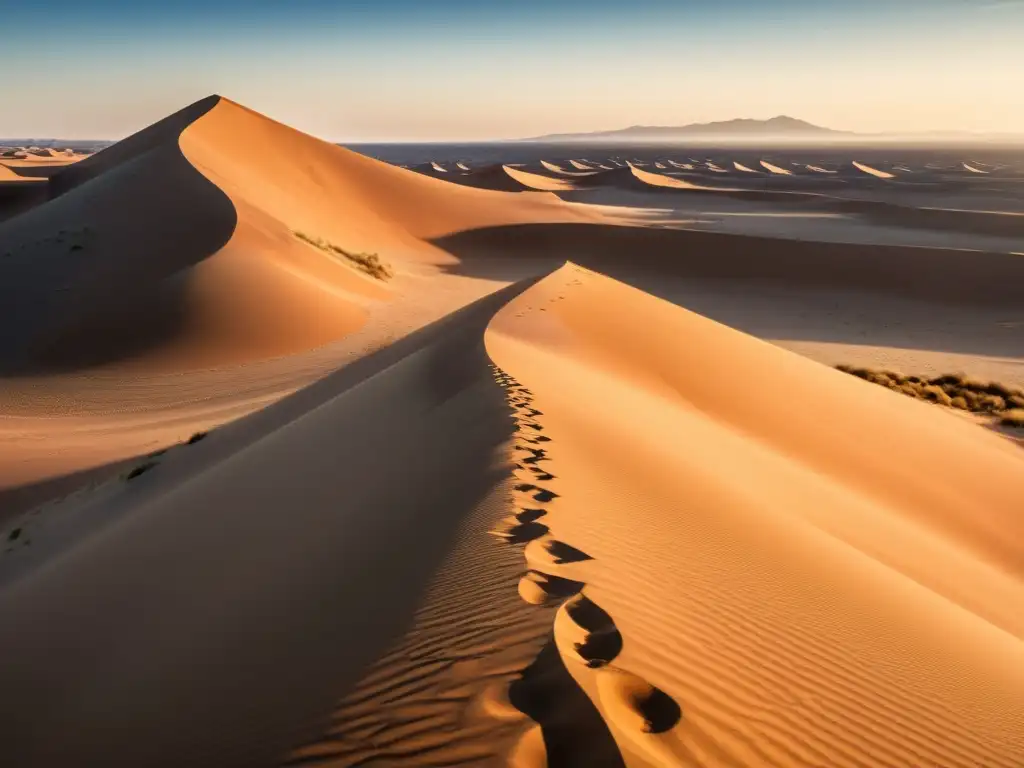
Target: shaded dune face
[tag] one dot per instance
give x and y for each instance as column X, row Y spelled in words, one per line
column 263, row 602
column 100, row 273
column 924, row 273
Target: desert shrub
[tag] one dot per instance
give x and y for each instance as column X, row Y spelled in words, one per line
column 956, row 390
column 1013, row 418
column 860, row 373
column 140, row 469
column 14, row 534
column 991, row 403
column 935, row 394
column 195, row 438
column 370, row 263
column 999, row 390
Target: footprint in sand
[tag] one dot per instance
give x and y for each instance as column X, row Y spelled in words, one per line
column 589, row 631
column 539, row 494
column 538, row 587
column 521, row 533
column 583, row 630
column 566, row 553
column 634, row 705
column 529, row 515
column 538, row 439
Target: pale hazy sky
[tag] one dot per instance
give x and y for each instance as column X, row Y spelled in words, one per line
column 365, row 70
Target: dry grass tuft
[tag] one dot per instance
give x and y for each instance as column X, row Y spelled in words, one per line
column 369, row 263
column 953, row 390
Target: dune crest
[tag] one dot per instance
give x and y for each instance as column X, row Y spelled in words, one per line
column 873, row 171
column 776, row 169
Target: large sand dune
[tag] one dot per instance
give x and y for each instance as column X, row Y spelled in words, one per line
column 820, row 600
column 213, row 196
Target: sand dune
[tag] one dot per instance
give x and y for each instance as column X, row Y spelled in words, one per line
column 647, row 178
column 838, row 557
column 818, row 169
column 972, row 169
column 872, row 171
column 877, row 591
column 743, row 168
column 438, row 167
column 234, row 284
column 775, row 169
column 511, row 179
column 579, row 165
column 7, row 175
column 537, row 181
column 555, row 168
column 462, row 166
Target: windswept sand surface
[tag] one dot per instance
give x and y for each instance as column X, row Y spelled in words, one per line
column 519, row 504
column 878, row 601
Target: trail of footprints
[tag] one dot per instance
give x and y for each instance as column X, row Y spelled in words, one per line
column 630, row 701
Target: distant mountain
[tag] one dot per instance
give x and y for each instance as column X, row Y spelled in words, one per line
column 777, row 127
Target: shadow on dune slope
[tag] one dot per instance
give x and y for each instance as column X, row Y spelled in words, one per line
column 218, row 615
column 99, row 273
column 930, row 274
column 906, row 298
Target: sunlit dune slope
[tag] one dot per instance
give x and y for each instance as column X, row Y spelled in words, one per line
column 783, row 566
column 872, row 171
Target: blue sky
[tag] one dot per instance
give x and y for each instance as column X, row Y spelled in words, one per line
column 477, row 69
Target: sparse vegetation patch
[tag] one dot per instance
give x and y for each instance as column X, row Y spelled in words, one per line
column 369, row 263
column 953, row 390
column 1013, row 418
